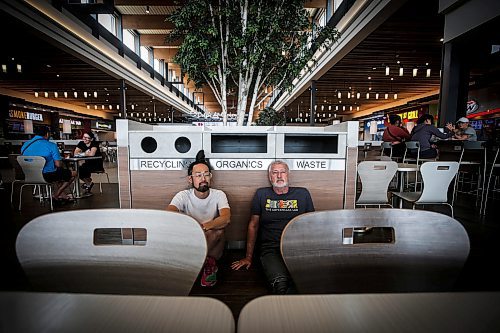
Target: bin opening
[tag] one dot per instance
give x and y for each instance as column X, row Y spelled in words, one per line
column 233, row 143
column 311, row 144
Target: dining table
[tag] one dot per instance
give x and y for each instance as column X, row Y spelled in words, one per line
column 74, row 312
column 384, row 312
column 75, row 161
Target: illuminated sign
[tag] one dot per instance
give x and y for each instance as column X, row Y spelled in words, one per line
column 101, row 125
column 73, row 122
column 25, row 115
column 408, row 115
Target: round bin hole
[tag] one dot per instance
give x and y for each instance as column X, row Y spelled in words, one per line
column 182, row 144
column 148, row 144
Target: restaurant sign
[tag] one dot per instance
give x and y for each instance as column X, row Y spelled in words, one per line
column 73, row 122
column 229, row 164
column 25, row 115
column 409, row 115
column 104, row 126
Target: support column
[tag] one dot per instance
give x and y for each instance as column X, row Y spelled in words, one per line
column 123, row 99
column 454, row 84
column 313, row 103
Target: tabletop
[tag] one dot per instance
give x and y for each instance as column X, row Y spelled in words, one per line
column 53, row 312
column 409, row 312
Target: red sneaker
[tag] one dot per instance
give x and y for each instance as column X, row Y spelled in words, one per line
column 209, row 274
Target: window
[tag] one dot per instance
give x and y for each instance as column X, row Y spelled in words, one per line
column 129, row 39
column 145, row 54
column 108, row 21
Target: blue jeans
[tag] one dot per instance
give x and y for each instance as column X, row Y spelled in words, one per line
column 275, row 270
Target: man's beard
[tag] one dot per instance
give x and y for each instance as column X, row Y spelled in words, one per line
column 281, row 184
column 202, row 188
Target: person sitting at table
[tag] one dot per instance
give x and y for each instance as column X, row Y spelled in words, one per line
column 53, row 170
column 397, row 135
column 423, row 132
column 272, row 208
column 210, row 208
column 463, row 131
column 86, row 148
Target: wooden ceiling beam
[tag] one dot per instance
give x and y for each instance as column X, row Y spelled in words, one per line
column 146, row 22
column 149, row 2
column 165, row 54
column 315, row 4
column 157, row 40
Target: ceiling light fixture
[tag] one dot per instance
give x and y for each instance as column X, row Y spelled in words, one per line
column 95, row 94
column 46, row 94
column 75, row 94
column 65, row 94
column 147, row 9
column 56, row 94
column 428, row 72
column 36, row 93
column 367, row 95
column 415, row 70
column 19, row 68
column 387, row 70
column 85, row 94
column 4, row 68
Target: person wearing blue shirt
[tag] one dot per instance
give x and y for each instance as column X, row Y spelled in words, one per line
column 53, row 171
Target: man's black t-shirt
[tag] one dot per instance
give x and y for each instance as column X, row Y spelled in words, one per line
column 276, row 210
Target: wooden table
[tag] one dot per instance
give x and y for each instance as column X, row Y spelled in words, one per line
column 76, row 162
column 418, row 312
column 51, row 312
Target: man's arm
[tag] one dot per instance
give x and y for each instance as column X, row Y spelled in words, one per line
column 253, row 227
column 172, row 208
column 219, row 222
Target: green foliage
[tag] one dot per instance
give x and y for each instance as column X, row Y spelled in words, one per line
column 277, row 38
column 270, row 117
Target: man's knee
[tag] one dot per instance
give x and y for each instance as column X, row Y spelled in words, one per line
column 214, row 235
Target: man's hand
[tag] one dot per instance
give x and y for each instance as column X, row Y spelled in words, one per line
column 242, row 263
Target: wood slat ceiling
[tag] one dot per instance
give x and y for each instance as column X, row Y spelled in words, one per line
column 411, row 36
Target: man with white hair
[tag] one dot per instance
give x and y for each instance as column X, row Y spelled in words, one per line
column 464, row 131
column 272, row 208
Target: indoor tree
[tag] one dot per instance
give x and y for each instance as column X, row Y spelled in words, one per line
column 251, row 47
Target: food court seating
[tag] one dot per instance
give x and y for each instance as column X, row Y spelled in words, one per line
column 32, row 167
column 436, row 177
column 375, row 250
column 375, row 178
column 112, row 251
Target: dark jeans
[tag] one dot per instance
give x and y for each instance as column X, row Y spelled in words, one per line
column 275, row 270
column 60, row 175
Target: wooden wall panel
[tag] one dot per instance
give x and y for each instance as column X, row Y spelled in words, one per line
column 123, row 177
column 155, row 190
column 351, row 176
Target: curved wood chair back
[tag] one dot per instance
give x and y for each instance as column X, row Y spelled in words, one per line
column 324, row 255
column 112, row 251
column 437, row 177
column 375, row 179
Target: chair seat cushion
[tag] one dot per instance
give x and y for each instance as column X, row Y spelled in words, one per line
column 408, row 196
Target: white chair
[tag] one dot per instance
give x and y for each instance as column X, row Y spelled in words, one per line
column 436, row 177
column 32, row 167
column 494, row 165
column 376, row 250
column 112, row 251
column 375, row 179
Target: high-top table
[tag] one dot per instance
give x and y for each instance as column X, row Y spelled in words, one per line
column 53, row 312
column 408, row 312
column 76, row 163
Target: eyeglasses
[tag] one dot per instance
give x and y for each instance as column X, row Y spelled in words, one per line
column 200, row 175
